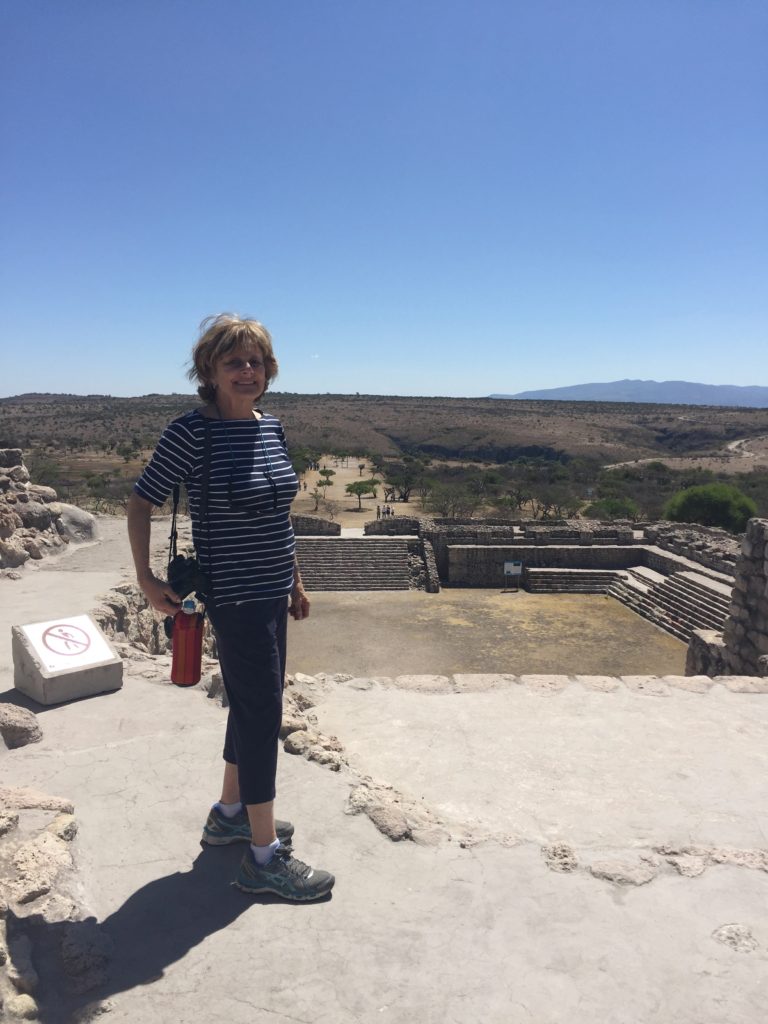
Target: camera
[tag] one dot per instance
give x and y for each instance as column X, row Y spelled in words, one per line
column 185, row 575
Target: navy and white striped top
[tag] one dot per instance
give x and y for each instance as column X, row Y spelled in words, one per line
column 251, row 538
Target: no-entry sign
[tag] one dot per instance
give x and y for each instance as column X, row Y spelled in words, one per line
column 73, row 642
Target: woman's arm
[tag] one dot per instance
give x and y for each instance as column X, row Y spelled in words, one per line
column 159, row 594
column 299, row 601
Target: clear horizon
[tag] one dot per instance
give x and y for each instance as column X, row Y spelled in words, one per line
column 449, row 199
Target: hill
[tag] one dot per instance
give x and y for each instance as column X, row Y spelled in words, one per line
column 448, row 428
column 668, row 392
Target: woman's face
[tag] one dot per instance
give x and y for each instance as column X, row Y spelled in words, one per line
column 239, row 375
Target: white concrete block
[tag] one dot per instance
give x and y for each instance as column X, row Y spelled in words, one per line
column 64, row 659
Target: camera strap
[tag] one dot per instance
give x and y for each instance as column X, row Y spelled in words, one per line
column 204, row 481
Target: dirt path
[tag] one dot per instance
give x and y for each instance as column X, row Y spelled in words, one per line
column 738, row 456
column 346, row 511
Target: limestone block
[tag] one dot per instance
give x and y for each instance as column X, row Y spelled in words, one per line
column 13, row 797
column 34, row 515
column 544, row 683
column 647, row 686
column 560, row 857
column 480, row 682
column 22, row 1007
column 688, row 866
column 299, row 742
column 738, row 936
column 302, row 678
column 389, row 820
column 18, row 726
column 623, row 872
column 694, row 683
column 76, row 524
column 424, row 683
column 8, row 821
column 86, row 949
column 19, row 474
column 21, row 972
column 64, row 826
column 10, row 457
column 10, row 521
column 41, row 493
column 602, row 684
column 64, row 659
column 37, row 863
column 12, row 554
column 291, row 724
column 744, row 684
column 32, row 548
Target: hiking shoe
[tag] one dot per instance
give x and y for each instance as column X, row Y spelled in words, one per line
column 221, row 831
column 284, row 876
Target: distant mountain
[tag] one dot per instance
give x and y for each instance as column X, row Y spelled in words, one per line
column 665, row 392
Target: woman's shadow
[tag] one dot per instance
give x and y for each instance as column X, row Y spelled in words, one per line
column 154, row 928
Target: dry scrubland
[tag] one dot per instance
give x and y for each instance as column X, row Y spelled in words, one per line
column 95, row 434
column 464, row 428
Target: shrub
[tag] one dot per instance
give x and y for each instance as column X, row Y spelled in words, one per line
column 612, row 508
column 712, row 505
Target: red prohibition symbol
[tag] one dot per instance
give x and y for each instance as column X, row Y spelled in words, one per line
column 65, row 639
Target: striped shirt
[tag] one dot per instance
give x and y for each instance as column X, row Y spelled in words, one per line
column 251, row 550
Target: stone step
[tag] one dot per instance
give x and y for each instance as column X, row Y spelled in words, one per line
column 354, row 563
column 685, row 602
column 711, row 598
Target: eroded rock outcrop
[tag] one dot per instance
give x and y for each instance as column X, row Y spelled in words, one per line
column 33, row 523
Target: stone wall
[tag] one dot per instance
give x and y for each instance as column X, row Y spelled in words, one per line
column 717, row 549
column 314, row 526
column 393, row 526
column 746, row 629
column 560, row 533
column 33, row 523
column 432, row 578
column 470, row 565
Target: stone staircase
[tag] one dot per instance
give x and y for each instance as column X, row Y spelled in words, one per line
column 678, row 603
column 569, row 581
column 352, row 563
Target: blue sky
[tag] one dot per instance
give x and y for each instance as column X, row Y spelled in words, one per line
column 416, row 197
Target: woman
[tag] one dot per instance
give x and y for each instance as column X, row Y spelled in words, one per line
column 245, row 544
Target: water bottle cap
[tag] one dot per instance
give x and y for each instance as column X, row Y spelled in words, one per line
column 188, row 605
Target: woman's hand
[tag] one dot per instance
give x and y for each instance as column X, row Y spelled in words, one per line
column 160, row 594
column 299, row 603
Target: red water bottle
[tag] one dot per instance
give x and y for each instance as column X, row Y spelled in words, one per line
column 187, row 645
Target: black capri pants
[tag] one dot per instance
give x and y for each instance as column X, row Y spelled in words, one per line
column 251, row 640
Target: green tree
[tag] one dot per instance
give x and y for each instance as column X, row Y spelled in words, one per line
column 712, row 505
column 360, row 488
column 612, row 508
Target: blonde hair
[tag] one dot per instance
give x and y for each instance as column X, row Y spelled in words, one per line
column 222, row 334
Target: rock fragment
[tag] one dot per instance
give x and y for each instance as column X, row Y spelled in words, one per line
column 623, row 872
column 560, row 857
column 37, row 863
column 86, row 950
column 738, row 936
column 18, row 726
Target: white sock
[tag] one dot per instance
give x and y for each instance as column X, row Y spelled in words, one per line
column 264, row 854
column 228, row 810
